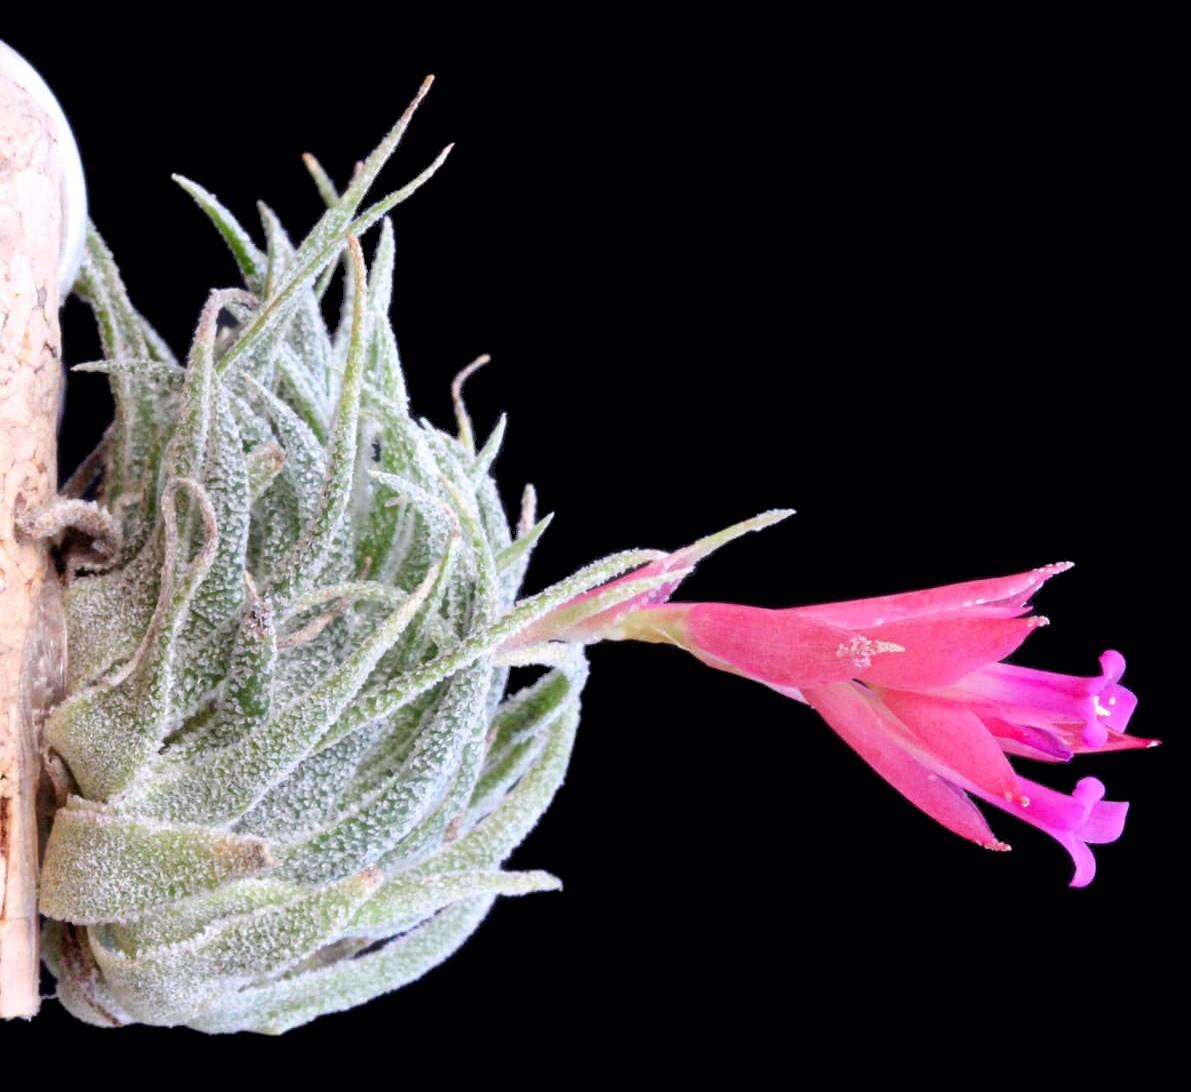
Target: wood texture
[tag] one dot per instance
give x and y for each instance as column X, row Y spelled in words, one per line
column 30, row 381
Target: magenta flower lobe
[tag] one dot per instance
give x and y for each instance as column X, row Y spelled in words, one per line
column 914, row 683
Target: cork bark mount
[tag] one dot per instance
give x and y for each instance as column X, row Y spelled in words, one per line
column 30, row 389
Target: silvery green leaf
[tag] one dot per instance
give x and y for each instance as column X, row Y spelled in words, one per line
column 143, row 410
column 100, row 284
column 323, row 182
column 246, row 699
column 323, row 243
column 187, row 918
column 277, row 1007
column 492, row 839
column 264, row 461
column 276, row 514
column 299, row 390
column 383, row 700
column 519, row 732
column 108, row 731
column 81, row 989
column 166, row 375
column 384, row 206
column 298, row 569
column 313, row 792
column 513, row 559
column 279, row 251
column 371, row 826
column 249, row 258
column 305, row 465
column 176, row 982
column 108, row 613
column 486, row 456
column 225, row 478
column 386, row 372
column 405, row 901
column 496, row 527
column 224, row 785
column 101, row 866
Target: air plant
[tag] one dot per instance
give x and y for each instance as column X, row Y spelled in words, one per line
column 283, row 769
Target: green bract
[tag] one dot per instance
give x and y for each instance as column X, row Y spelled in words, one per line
column 294, row 773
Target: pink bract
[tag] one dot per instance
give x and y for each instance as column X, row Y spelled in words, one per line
column 914, row 684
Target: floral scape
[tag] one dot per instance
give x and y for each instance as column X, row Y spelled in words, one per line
column 914, row 683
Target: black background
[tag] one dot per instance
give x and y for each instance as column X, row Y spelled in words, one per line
column 908, row 279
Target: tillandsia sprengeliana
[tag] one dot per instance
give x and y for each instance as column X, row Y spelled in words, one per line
column 287, row 771
column 284, row 735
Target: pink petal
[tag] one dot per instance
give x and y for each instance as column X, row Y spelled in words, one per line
column 941, row 650
column 1118, row 741
column 776, row 647
column 1084, row 859
column 1028, row 741
column 1072, row 821
column 867, row 727
column 1119, row 701
column 1098, row 706
column 1106, row 822
column 1000, row 597
column 958, row 739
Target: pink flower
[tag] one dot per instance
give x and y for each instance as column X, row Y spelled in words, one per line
column 912, row 682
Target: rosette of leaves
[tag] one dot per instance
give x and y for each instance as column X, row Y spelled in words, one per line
column 289, row 771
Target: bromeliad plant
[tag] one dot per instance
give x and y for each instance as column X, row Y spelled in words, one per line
column 289, row 773
column 285, row 736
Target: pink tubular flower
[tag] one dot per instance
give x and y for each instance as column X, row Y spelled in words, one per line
column 912, row 682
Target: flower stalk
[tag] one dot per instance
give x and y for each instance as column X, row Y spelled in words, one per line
column 914, row 684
